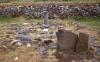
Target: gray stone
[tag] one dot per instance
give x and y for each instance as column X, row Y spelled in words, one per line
column 23, row 31
column 66, row 40
column 43, row 51
column 82, row 44
column 24, row 38
column 97, row 52
column 46, row 22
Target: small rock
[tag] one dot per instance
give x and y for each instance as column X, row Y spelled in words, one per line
column 16, row 58
column 28, row 45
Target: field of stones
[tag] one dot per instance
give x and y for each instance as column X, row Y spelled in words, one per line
column 50, row 32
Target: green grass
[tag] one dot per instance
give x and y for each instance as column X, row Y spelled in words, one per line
column 6, row 1
column 92, row 22
column 7, row 20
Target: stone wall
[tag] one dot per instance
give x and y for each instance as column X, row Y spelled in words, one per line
column 54, row 10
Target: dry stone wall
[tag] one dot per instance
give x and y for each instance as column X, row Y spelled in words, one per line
column 54, row 10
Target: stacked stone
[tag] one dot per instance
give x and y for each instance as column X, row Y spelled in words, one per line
column 54, row 10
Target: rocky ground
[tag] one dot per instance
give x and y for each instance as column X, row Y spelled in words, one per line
column 23, row 38
column 28, row 42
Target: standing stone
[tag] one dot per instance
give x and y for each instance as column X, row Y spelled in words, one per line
column 82, row 44
column 46, row 22
column 66, row 41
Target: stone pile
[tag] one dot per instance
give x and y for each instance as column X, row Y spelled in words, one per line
column 54, row 10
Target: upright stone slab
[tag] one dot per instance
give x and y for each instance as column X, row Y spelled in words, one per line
column 46, row 22
column 82, row 44
column 66, row 40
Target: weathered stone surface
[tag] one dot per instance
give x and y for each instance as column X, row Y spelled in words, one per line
column 82, row 44
column 66, row 40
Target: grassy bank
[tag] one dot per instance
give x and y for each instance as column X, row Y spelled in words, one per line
column 92, row 22
column 9, row 19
